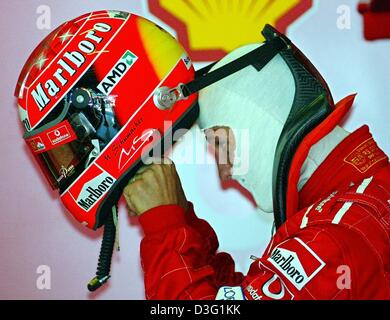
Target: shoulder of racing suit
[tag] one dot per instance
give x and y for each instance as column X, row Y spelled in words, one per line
column 337, row 248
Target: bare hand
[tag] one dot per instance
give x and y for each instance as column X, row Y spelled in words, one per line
column 154, row 185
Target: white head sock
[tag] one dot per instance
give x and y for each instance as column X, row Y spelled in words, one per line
column 257, row 103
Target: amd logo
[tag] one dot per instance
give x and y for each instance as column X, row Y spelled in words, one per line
column 117, row 72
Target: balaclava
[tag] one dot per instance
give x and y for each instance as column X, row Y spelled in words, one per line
column 255, row 105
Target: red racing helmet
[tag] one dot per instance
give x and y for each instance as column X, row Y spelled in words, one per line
column 87, row 99
column 103, row 90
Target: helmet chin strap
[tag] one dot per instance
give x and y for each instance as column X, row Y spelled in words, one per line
column 94, row 153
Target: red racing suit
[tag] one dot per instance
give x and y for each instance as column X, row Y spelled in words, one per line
column 334, row 244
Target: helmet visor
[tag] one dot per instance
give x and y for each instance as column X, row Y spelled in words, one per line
column 62, row 149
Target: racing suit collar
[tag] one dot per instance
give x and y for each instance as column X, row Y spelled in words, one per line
column 310, row 193
column 355, row 158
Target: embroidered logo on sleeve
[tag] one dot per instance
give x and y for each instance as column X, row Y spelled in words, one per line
column 296, row 262
column 269, row 287
column 365, row 155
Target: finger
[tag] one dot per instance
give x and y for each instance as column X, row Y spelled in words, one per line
column 132, row 179
column 139, row 174
column 144, row 167
column 167, row 161
column 159, row 161
column 127, row 195
column 164, row 167
column 131, row 209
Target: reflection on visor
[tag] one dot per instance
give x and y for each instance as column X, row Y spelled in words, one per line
column 59, row 151
column 74, row 143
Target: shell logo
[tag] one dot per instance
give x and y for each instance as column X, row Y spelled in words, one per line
column 208, row 29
